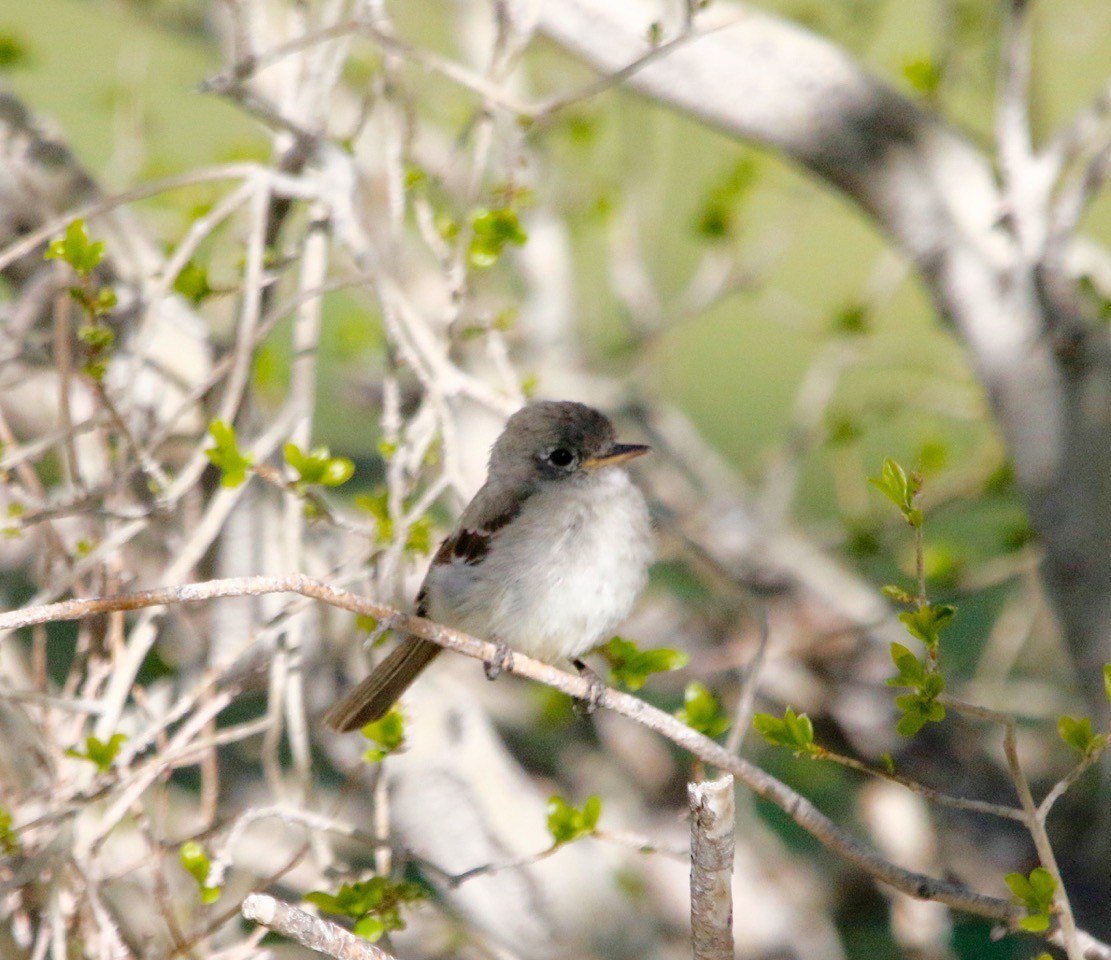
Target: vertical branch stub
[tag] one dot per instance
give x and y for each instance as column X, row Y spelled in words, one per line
column 712, row 851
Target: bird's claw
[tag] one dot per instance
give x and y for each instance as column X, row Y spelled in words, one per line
column 597, row 691
column 503, row 660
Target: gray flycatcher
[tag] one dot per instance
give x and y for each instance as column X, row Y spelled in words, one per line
column 547, row 559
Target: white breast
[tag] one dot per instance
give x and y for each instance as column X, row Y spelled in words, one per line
column 560, row 577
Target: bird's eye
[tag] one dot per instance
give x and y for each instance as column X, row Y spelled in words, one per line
column 561, row 457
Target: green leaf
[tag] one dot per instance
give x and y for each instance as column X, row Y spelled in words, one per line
column 105, row 301
column 793, row 731
column 1035, row 923
column 324, row 901
column 900, row 489
column 702, row 712
column 1043, row 885
column 898, row 595
column 226, row 456
column 932, row 686
column 76, row 250
column 719, row 214
column 196, row 863
column 388, row 734
column 631, row 667
column 192, row 283
column 1107, row 680
column 567, row 823
column 419, row 538
column 370, row 928
column 96, row 336
column 918, row 710
column 927, row 622
column 378, row 506
column 1035, row 893
column 373, row 904
column 98, row 752
column 337, row 471
column 492, row 231
column 923, row 74
column 1020, row 887
column 9, row 840
column 1078, row 734
column 854, row 318
column 318, row 466
column 911, row 672
column 14, row 51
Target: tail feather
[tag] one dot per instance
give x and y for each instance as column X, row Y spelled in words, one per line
column 371, row 700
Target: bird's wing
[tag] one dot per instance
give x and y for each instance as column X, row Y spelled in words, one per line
column 489, row 511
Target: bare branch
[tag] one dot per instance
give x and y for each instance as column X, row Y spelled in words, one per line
column 713, row 847
column 801, row 810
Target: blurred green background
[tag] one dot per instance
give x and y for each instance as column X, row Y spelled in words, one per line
column 120, row 80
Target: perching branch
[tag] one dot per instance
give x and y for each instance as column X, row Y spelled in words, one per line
column 797, row 807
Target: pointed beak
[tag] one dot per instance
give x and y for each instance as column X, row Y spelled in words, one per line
column 618, row 453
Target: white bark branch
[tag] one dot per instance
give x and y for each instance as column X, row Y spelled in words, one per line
column 713, row 847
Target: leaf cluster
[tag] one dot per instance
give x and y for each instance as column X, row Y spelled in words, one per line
column 1035, row 893
column 491, row 232
column 631, row 667
column 927, row 621
column 1077, row 733
column 75, row 248
column 793, row 731
column 921, row 706
column 226, row 456
column 374, row 904
column 317, row 467
column 84, row 256
column 567, row 823
column 901, row 489
column 99, row 752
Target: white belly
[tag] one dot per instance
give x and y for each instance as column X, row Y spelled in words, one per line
column 560, row 577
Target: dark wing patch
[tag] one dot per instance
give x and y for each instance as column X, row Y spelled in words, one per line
column 470, row 546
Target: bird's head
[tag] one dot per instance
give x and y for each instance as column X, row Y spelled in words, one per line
column 556, row 441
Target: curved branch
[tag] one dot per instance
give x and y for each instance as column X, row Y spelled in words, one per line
column 797, row 807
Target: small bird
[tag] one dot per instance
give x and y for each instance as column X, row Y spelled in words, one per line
column 547, row 559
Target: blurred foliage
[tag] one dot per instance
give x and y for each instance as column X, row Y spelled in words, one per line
column 820, row 274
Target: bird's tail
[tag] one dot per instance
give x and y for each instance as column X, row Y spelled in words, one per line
column 372, row 699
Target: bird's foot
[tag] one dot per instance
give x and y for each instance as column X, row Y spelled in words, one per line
column 503, row 660
column 597, row 691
